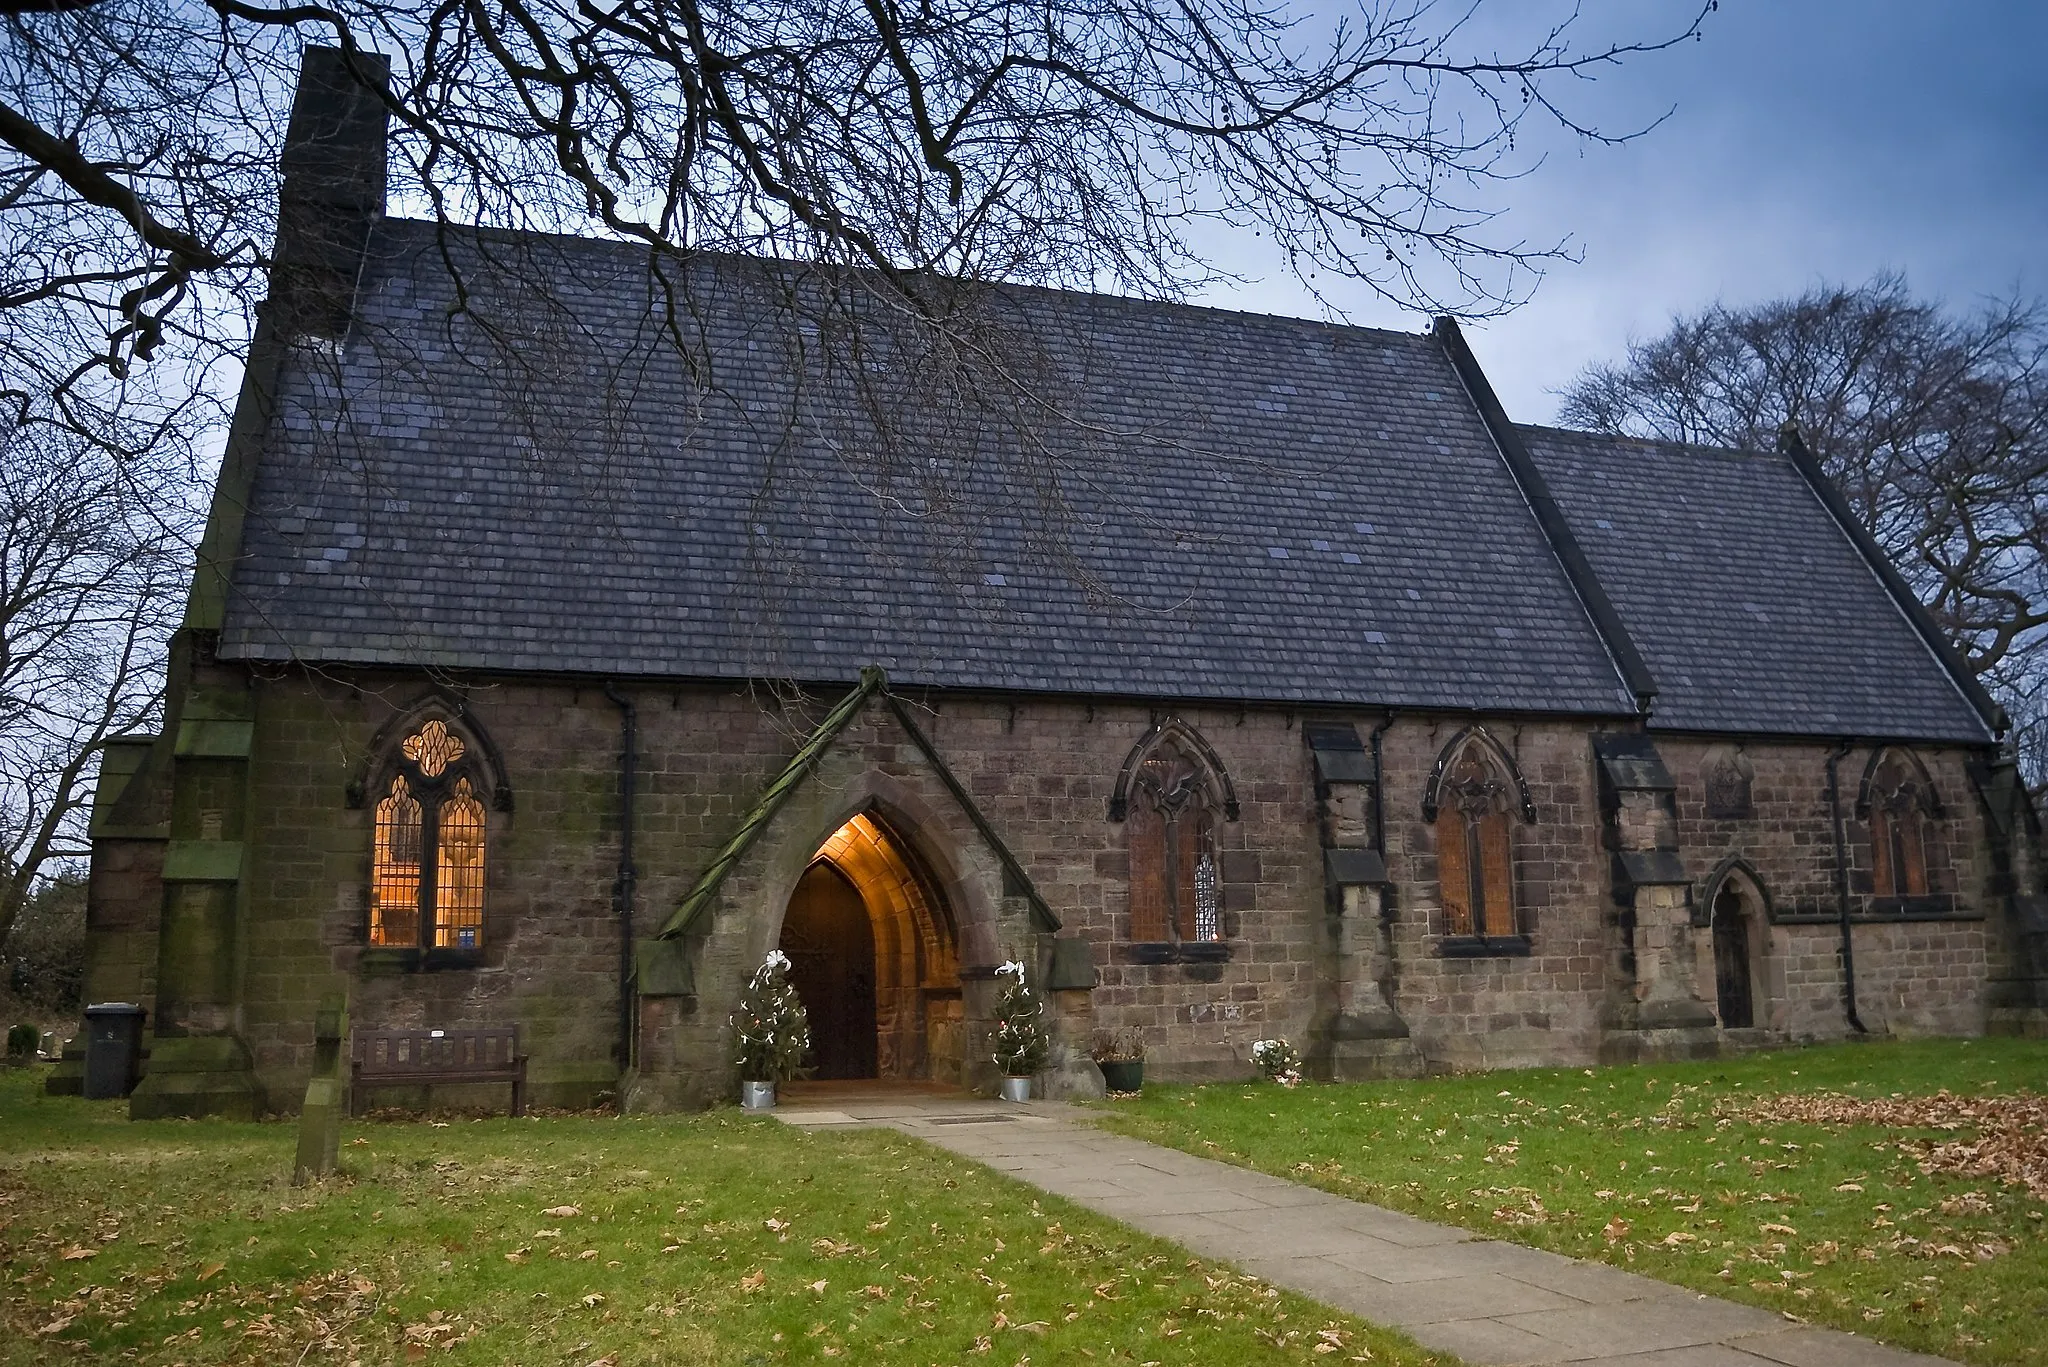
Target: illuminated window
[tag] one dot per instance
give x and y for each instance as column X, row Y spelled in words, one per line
column 1473, row 796
column 427, row 873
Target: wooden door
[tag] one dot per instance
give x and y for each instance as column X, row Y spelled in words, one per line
column 1731, row 962
column 831, row 947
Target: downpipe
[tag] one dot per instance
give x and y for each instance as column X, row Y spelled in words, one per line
column 1842, row 886
column 628, row 876
column 1379, row 787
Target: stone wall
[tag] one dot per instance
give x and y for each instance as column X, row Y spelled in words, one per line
column 1042, row 774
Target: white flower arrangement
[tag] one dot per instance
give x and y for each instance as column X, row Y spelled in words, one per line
column 1012, row 969
column 1277, row 1059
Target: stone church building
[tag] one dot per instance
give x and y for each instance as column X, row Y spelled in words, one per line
column 568, row 634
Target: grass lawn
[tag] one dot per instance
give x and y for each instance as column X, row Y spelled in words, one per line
column 578, row 1240
column 1724, row 1176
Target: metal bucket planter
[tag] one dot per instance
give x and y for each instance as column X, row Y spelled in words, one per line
column 1016, row 1089
column 1123, row 1075
column 757, row 1096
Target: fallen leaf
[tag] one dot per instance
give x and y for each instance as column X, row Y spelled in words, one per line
column 1777, row 1229
column 207, row 1272
column 56, row 1326
column 753, row 1281
column 1679, row 1236
column 593, row 1300
column 608, row 1360
column 562, row 1212
column 78, row 1253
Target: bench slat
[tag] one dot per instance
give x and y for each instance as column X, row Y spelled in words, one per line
column 398, row 1057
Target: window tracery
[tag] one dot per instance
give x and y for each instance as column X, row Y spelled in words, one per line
column 1170, row 828
column 1472, row 800
column 1901, row 802
column 430, row 833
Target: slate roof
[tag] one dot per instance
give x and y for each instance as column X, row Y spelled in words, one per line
column 1246, row 508
column 1752, row 607
column 1235, row 508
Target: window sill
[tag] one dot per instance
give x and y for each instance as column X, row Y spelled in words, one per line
column 1483, row 947
column 1925, row 907
column 1175, row 952
column 383, row 961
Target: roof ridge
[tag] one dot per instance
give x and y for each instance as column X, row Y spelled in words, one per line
column 1608, row 626
column 1702, row 448
column 1131, row 301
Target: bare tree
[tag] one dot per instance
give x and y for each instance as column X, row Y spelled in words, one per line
column 901, row 154
column 94, row 552
column 1071, row 142
column 1934, row 424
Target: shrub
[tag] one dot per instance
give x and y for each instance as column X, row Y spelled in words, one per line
column 1118, row 1046
column 42, row 962
column 22, row 1040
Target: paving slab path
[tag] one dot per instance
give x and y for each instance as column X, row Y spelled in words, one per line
column 1487, row 1301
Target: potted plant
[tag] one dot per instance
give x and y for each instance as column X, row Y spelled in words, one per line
column 1021, row 1044
column 1121, row 1056
column 771, row 1031
column 1278, row 1061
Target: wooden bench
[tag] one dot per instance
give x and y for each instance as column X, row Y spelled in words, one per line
column 401, row 1058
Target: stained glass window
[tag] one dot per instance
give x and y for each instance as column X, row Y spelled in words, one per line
column 459, row 910
column 1170, row 834
column 1900, row 803
column 427, row 870
column 395, row 880
column 1474, row 853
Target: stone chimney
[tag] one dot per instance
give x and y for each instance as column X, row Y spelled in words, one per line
column 334, row 166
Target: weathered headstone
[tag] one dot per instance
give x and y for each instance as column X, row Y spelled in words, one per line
column 326, row 1095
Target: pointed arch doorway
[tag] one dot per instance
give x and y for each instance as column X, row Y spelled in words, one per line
column 874, row 956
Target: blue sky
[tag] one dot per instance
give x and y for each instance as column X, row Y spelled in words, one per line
column 1808, row 141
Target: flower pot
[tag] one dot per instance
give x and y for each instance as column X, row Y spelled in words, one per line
column 1123, row 1075
column 757, row 1096
column 1016, row 1089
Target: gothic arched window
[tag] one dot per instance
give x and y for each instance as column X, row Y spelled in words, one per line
column 1900, row 802
column 1471, row 803
column 1171, row 797
column 427, row 866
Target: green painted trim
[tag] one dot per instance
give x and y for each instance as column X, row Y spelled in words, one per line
column 698, row 900
column 202, row 739
column 203, row 861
